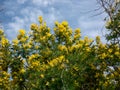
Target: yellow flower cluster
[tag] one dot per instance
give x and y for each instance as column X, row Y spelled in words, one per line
column 44, row 67
column 62, row 48
column 21, row 37
column 62, row 30
column 34, row 62
column 34, row 26
column 27, row 46
column 48, row 34
column 33, row 56
column 103, row 56
column 57, row 61
column 4, row 79
column 35, row 65
column 77, row 34
column 4, row 42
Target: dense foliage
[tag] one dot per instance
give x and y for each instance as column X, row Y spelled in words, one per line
column 57, row 59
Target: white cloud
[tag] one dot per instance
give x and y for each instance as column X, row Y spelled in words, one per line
column 27, row 16
column 52, row 16
column 92, row 28
column 43, row 2
column 10, row 13
column 22, row 22
column 25, row 12
column 1, row 26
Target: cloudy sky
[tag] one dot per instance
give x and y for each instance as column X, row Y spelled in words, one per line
column 19, row 14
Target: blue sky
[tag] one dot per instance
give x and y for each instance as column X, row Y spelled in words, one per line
column 19, row 14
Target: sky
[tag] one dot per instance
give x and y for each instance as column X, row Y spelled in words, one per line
column 20, row 14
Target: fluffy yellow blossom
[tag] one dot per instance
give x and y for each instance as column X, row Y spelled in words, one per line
column 1, row 32
column 21, row 79
column 62, row 47
column 23, row 61
column 22, row 70
column 110, row 50
column 117, row 53
column 103, row 46
column 53, row 79
column 70, row 49
column 44, row 67
column 42, row 75
column 56, row 61
column 36, row 47
column 65, row 23
column 27, row 46
column 93, row 66
column 61, row 57
column 103, row 55
column 116, row 73
column 77, row 30
column 0, row 80
column 88, row 49
column 112, row 75
column 77, row 36
column 86, row 39
column 47, row 83
column 23, row 39
column 62, row 66
column 48, row 34
column 53, row 63
column 106, row 84
column 44, row 25
column 32, row 57
column 81, row 41
column 4, row 41
column 22, row 32
column 35, row 63
column 34, row 26
column 15, row 42
column 61, row 27
column 76, row 83
column 43, row 38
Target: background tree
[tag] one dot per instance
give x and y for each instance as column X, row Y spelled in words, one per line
column 112, row 8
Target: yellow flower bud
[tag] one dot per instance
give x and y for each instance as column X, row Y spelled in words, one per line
column 1, row 32
column 40, row 19
column 98, row 39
